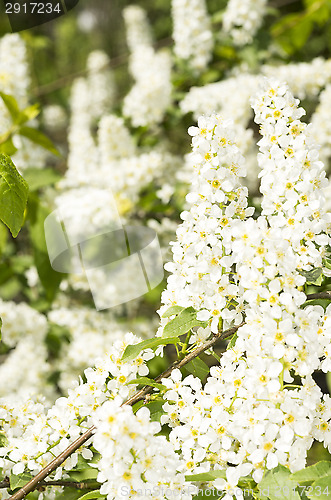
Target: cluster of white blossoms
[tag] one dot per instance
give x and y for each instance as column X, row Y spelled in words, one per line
column 261, row 407
column 320, row 125
column 100, row 83
column 305, row 79
column 202, row 261
column 134, row 461
column 242, row 19
column 34, row 432
column 138, row 29
column 15, row 81
column 150, row 96
column 24, row 331
column 92, row 333
column 192, row 32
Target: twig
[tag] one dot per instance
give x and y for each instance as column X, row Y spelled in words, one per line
column 69, row 484
column 321, row 295
column 34, row 482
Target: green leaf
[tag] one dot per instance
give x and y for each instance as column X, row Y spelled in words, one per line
column 13, row 195
column 278, row 485
column 232, row 342
column 19, row 480
column 37, row 177
column 198, row 368
column 132, row 351
column 156, row 410
column 186, row 320
column 172, row 310
column 147, row 381
column 49, row 278
column 29, row 113
column 320, row 489
column 12, row 106
column 0, row 327
column 91, row 494
column 313, row 277
column 8, row 147
column 206, row 476
column 39, row 138
column 313, row 472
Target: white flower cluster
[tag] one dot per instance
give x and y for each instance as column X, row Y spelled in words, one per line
column 34, row 433
column 150, row 96
column 192, row 32
column 261, row 406
column 243, row 18
column 305, row 79
column 138, row 30
column 92, row 334
column 202, row 258
column 100, row 83
column 134, row 461
column 24, row 330
column 15, row 81
column 320, row 125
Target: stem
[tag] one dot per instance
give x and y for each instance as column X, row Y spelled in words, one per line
column 320, row 295
column 93, row 485
column 34, row 482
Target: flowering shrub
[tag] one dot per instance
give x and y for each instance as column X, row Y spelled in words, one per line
column 225, row 392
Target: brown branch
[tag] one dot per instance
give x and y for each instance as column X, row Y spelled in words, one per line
column 93, row 485
column 34, row 482
column 320, row 295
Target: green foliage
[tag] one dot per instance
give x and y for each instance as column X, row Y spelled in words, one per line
column 147, row 381
column 314, row 481
column 39, row 138
column 198, row 368
column 13, row 195
column 38, row 178
column 206, row 476
column 132, row 351
column 185, row 321
column 91, row 494
column 17, row 481
column 278, row 484
column 313, row 277
column 173, row 310
column 49, row 278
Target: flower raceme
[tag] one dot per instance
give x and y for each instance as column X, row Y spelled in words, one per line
column 260, row 406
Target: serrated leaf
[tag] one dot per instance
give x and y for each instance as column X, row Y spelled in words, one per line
column 132, row 351
column 185, row 320
column 11, row 104
column 147, row 381
column 39, row 138
column 232, row 342
column 19, row 480
column 320, row 489
column 156, row 410
column 198, row 368
column 13, row 195
column 313, row 277
column 172, row 310
column 312, row 472
column 37, row 177
column 91, row 494
column 206, row 476
column 278, row 485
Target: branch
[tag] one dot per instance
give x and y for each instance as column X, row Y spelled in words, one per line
column 34, row 482
column 321, row 295
column 92, row 485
